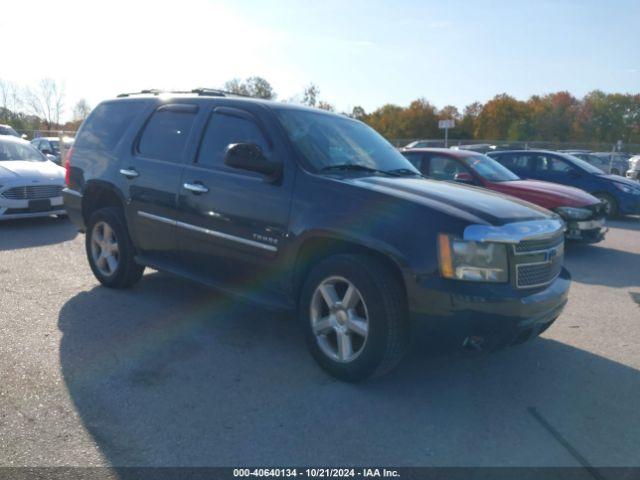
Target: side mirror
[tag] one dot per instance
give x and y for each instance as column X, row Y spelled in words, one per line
column 463, row 177
column 24, row 136
column 53, row 158
column 249, row 156
column 46, row 151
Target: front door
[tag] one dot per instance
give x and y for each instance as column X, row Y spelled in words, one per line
column 233, row 223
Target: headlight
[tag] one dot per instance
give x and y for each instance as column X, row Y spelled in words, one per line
column 627, row 189
column 572, row 213
column 472, row 261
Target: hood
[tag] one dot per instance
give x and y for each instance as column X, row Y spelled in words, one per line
column 619, row 179
column 546, row 194
column 476, row 205
column 33, row 171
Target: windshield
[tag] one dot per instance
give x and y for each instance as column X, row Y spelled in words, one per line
column 329, row 140
column 578, row 162
column 489, row 169
column 8, row 131
column 17, row 151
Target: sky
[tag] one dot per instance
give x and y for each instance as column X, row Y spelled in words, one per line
column 358, row 52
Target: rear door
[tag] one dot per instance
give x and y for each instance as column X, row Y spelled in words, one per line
column 152, row 170
column 233, row 223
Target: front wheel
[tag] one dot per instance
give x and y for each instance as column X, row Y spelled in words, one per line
column 355, row 317
column 110, row 251
column 610, row 204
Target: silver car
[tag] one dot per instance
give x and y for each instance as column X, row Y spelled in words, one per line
column 30, row 184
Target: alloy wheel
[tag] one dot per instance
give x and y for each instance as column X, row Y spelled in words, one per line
column 104, row 249
column 339, row 319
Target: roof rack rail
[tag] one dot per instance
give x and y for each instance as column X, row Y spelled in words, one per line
column 209, row 92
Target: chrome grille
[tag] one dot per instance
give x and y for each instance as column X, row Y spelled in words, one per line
column 536, row 275
column 534, row 245
column 538, row 261
column 33, row 192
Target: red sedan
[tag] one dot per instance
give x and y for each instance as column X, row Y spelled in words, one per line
column 583, row 213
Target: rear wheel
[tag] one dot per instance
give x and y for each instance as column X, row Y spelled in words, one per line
column 355, row 318
column 110, row 251
column 610, row 204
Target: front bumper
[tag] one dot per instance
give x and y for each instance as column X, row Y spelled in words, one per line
column 588, row 231
column 496, row 313
column 15, row 209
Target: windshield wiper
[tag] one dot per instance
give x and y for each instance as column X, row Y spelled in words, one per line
column 355, row 167
column 399, row 172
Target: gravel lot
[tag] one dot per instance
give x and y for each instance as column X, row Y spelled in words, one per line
column 170, row 373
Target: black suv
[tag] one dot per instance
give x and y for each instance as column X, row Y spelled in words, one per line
column 298, row 208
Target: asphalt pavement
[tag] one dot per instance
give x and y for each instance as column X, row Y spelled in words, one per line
column 173, row 374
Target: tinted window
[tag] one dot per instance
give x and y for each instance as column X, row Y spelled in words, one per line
column 165, row 135
column 224, row 130
column 444, row 168
column 551, row 164
column 515, row 162
column 107, row 123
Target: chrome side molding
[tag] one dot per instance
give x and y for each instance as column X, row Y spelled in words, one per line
column 207, row 231
column 514, row 232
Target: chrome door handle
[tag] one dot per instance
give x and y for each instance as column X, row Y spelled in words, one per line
column 196, row 187
column 129, row 172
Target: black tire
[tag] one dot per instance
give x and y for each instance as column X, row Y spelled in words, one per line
column 385, row 300
column 605, row 197
column 127, row 272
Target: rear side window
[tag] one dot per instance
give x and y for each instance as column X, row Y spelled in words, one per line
column 165, row 135
column 222, row 131
column 106, row 125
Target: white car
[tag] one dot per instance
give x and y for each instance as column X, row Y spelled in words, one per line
column 30, row 184
column 634, row 168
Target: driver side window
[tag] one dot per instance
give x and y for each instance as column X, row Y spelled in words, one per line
column 222, row 131
column 444, row 168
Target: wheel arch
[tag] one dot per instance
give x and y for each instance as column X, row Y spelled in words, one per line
column 99, row 194
column 315, row 248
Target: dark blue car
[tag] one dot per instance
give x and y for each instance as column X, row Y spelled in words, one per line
column 619, row 195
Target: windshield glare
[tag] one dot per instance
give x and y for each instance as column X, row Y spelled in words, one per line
column 12, row 151
column 327, row 140
column 489, row 169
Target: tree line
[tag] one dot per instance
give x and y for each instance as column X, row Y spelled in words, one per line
column 554, row 117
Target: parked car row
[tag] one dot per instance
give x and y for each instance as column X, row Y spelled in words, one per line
column 50, row 146
column 583, row 213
